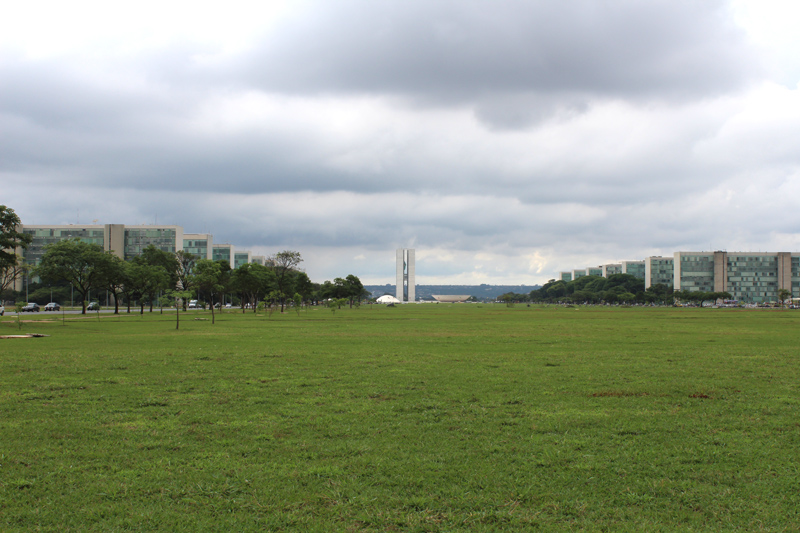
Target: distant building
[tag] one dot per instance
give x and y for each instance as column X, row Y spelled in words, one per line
column 749, row 277
column 633, row 268
column 611, row 269
column 199, row 244
column 659, row 270
column 565, row 276
column 406, row 275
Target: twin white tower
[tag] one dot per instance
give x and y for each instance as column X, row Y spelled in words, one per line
column 405, row 275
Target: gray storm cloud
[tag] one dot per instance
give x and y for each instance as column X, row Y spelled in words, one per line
column 565, row 127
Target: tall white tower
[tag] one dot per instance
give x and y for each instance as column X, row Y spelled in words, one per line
column 406, row 282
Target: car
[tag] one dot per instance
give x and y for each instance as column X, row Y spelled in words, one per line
column 94, row 306
column 193, row 304
column 31, row 308
column 2, row 310
column 52, row 306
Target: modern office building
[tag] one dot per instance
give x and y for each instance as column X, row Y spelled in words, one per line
column 223, row 252
column 199, row 244
column 241, row 258
column 565, row 276
column 126, row 242
column 594, row 271
column 611, row 269
column 747, row 276
column 633, row 268
column 406, row 275
column 659, row 270
column 259, row 260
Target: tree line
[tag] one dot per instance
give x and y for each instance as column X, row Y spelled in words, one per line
column 615, row 289
column 155, row 273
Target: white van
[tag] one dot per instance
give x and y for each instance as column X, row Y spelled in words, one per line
column 193, row 304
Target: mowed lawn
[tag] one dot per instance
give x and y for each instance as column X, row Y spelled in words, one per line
column 415, row 418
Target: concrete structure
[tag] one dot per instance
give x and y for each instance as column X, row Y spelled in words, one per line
column 259, row 260
column 223, row 252
column 578, row 273
column 241, row 258
column 611, row 269
column 565, row 276
column 633, row 268
column 659, row 270
column 406, row 276
column 126, row 242
column 450, row 298
column 594, row 271
column 749, row 277
column 199, row 244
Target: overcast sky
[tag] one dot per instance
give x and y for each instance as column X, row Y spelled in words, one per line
column 503, row 140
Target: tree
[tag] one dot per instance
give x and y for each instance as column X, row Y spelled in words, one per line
column 783, row 295
column 10, row 239
column 252, row 280
column 180, row 297
column 166, row 260
column 145, row 281
column 208, row 278
column 112, row 275
column 186, row 262
column 355, row 289
column 73, row 261
column 285, row 263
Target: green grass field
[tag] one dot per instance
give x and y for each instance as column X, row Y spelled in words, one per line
column 416, row 418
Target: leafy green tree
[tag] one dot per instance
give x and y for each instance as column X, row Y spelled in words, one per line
column 185, row 262
column 11, row 238
column 75, row 262
column 112, row 275
column 252, row 280
column 209, row 277
column 166, row 260
column 179, row 297
column 303, row 285
column 783, row 295
column 285, row 263
column 145, row 281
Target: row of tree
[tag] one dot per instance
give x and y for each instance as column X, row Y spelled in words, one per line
column 617, row 288
column 145, row 278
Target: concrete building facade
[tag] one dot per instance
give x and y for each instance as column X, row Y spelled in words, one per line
column 749, row 277
column 199, row 244
column 406, row 275
column 611, row 269
column 659, row 270
column 633, row 268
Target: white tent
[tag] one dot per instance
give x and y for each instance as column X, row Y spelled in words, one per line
column 387, row 299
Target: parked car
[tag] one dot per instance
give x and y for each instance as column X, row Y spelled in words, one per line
column 52, row 306
column 31, row 308
column 94, row 306
column 193, row 304
column 2, row 310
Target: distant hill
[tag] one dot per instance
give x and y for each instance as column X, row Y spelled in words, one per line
column 481, row 292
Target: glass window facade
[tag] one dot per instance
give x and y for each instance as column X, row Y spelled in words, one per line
column 697, row 272
column 44, row 236
column 662, row 271
column 136, row 240
column 240, row 259
column 635, row 269
column 198, row 247
column 753, row 278
column 221, row 253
